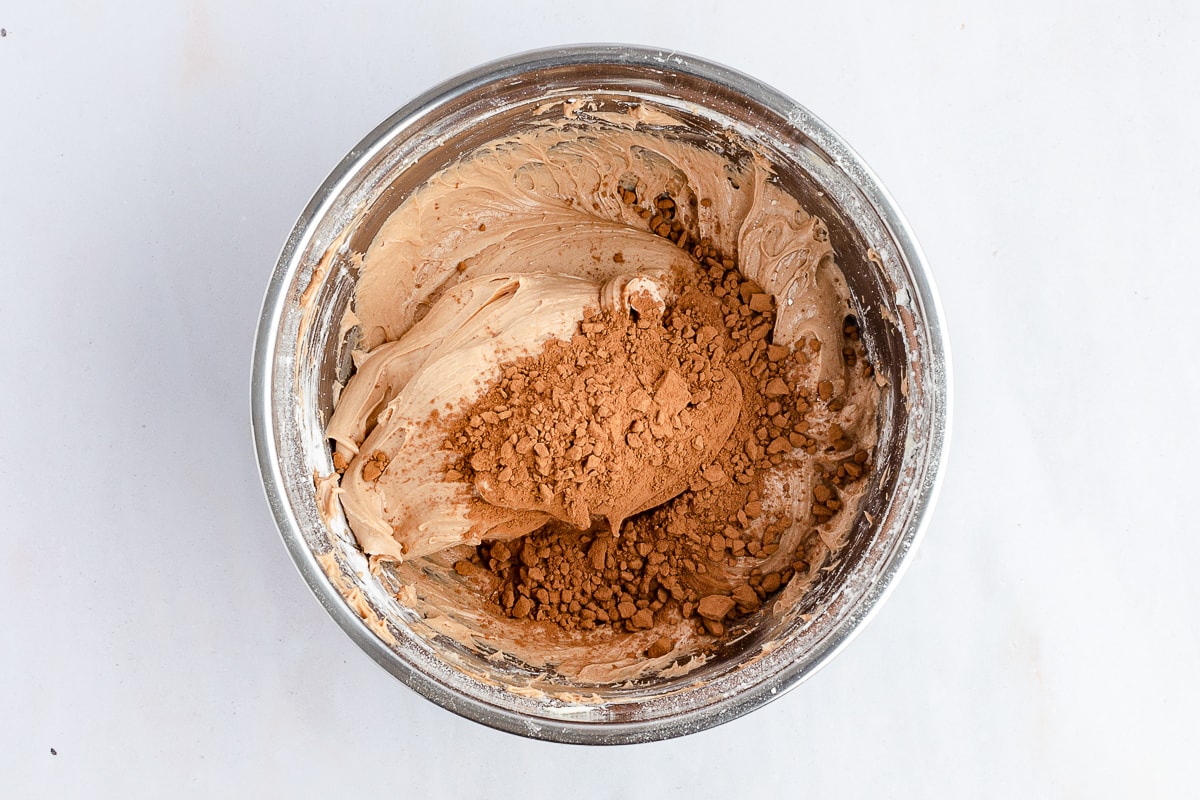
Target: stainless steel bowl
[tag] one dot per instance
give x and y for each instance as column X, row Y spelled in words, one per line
column 300, row 351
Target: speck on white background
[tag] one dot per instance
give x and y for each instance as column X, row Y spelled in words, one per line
column 157, row 640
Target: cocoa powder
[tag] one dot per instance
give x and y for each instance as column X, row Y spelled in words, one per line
column 646, row 437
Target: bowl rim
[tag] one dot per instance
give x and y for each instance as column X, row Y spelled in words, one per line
column 264, row 418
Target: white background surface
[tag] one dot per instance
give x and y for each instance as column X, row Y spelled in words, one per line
column 153, row 158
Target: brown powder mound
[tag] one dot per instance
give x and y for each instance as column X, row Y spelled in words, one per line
column 634, row 410
column 612, row 423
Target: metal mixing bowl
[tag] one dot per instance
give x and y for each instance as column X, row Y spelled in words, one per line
column 301, row 350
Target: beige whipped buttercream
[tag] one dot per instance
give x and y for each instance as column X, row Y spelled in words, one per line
column 503, row 251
